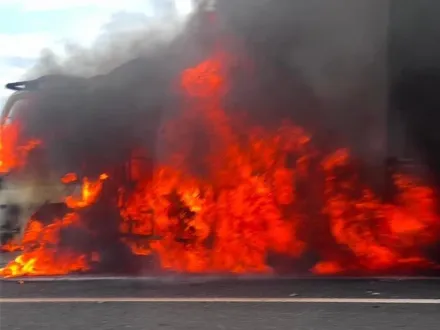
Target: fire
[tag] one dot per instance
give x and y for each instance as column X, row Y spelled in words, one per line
column 69, row 178
column 13, row 155
column 89, row 192
column 42, row 254
column 255, row 193
column 251, row 206
column 380, row 236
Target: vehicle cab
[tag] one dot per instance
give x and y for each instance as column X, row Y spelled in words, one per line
column 26, row 182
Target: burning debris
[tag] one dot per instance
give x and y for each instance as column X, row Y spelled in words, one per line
column 228, row 194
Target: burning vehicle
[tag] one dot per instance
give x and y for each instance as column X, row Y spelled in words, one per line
column 200, row 167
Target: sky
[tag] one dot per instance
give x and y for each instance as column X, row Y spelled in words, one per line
column 29, row 26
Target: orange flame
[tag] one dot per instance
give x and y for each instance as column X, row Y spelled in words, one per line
column 42, row 255
column 13, row 155
column 41, row 252
column 89, row 193
column 69, row 178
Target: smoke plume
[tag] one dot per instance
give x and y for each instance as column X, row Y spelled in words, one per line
column 319, row 63
column 106, row 100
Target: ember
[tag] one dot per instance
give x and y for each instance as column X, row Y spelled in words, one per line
column 253, row 200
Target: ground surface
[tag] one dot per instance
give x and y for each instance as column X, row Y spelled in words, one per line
column 250, row 316
column 200, row 303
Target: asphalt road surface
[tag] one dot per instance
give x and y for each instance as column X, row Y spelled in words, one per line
column 213, row 303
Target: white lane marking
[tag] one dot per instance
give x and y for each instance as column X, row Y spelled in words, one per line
column 220, row 300
column 168, row 281
column 81, row 278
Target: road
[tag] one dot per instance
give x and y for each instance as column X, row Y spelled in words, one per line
column 212, row 303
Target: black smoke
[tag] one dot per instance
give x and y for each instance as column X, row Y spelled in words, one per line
column 414, row 73
column 319, row 63
column 97, row 105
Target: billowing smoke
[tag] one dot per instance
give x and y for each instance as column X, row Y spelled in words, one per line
column 317, row 62
column 322, row 64
column 104, row 101
column 125, row 37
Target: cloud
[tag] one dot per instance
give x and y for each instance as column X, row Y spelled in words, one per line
column 183, row 6
column 18, row 61
column 24, row 44
column 46, row 5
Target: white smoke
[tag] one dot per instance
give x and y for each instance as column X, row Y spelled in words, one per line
column 124, row 37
